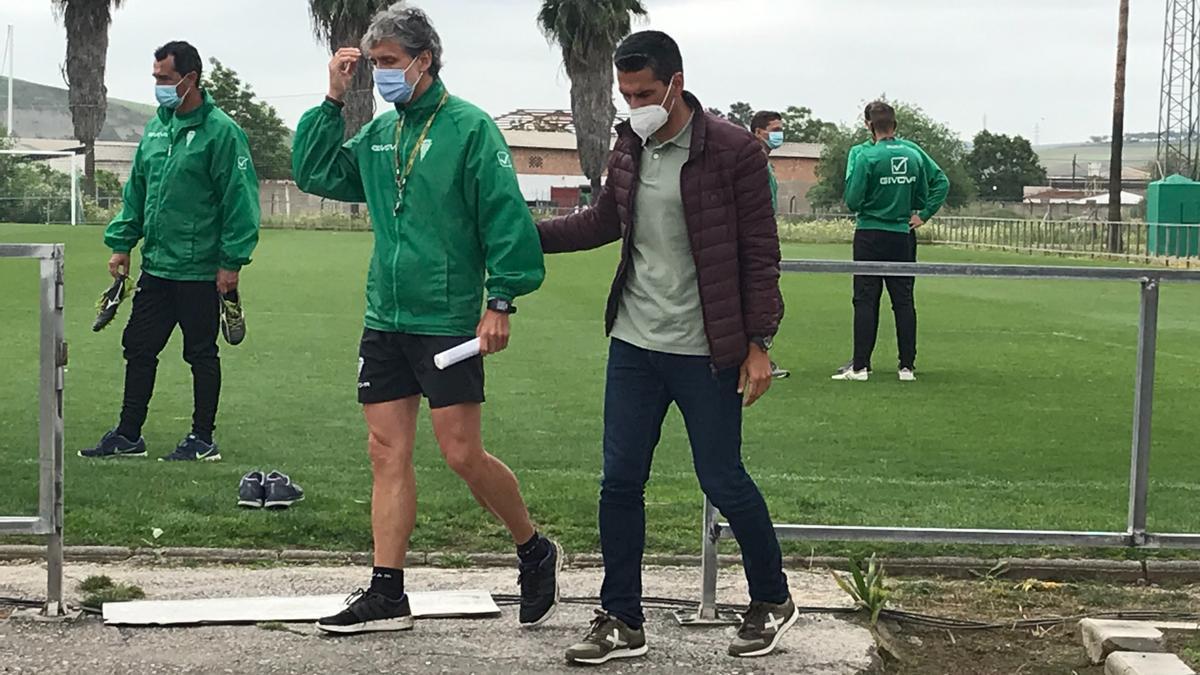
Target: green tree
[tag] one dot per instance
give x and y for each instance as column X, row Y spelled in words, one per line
column 342, row 23
column 740, row 113
column 799, row 125
column 270, row 140
column 87, row 22
column 587, row 32
column 1002, row 166
column 942, row 144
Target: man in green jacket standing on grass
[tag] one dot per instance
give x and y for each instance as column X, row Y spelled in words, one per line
column 894, row 187
column 450, row 223
column 192, row 202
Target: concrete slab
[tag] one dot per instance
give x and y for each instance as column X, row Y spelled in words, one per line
column 1142, row 663
column 817, row 645
column 1102, row 637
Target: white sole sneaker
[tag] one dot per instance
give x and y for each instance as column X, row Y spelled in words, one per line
column 908, row 376
column 774, row 641
column 852, row 376
column 381, row 626
column 558, row 565
column 614, row 654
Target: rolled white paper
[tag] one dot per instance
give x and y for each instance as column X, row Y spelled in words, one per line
column 456, row 354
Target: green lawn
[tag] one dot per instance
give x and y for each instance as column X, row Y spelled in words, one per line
column 1021, row 417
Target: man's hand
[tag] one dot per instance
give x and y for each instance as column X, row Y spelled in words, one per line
column 118, row 264
column 492, row 332
column 227, row 281
column 915, row 222
column 755, row 378
column 341, row 71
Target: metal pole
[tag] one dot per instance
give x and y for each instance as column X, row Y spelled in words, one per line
column 1143, row 405
column 707, row 614
column 11, row 55
column 53, row 360
column 74, row 189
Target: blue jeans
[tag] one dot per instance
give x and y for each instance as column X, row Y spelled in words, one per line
column 641, row 386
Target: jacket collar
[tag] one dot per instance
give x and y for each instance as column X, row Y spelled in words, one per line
column 193, row 118
column 424, row 106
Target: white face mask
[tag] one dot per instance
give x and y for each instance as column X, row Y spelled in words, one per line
column 648, row 119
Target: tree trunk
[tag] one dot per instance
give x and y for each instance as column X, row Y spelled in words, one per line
column 88, row 189
column 593, row 111
column 1118, row 134
column 87, row 23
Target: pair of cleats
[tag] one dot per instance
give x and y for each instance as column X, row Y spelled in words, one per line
column 274, row 490
column 233, row 318
column 113, row 446
column 847, row 373
column 610, row 638
column 369, row 611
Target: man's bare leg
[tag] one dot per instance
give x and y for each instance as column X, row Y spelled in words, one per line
column 392, row 428
column 459, row 433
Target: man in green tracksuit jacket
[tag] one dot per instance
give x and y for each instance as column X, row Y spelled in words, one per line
column 894, row 187
column 450, row 222
column 192, row 201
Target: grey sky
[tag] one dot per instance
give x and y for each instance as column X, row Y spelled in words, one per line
column 1021, row 63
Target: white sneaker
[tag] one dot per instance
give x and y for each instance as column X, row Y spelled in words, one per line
column 852, row 375
column 907, row 375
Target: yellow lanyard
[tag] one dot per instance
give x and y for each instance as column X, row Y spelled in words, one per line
column 402, row 174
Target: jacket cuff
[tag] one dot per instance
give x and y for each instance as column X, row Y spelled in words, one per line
column 333, row 106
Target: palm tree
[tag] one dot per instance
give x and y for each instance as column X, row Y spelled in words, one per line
column 588, row 31
column 342, row 23
column 87, row 23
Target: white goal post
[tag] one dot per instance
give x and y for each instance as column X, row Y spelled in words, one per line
column 63, row 161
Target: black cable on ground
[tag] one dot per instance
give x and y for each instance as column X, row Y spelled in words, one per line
column 20, row 602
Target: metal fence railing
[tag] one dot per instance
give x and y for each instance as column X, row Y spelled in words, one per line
column 53, row 359
column 1138, row 241
column 1135, row 534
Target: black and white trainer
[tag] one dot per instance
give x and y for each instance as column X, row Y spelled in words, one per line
column 233, row 319
column 114, row 444
column 778, row 373
column 192, row 449
column 281, row 492
column 369, row 612
column 539, row 587
column 252, row 491
column 608, row 638
column 762, row 626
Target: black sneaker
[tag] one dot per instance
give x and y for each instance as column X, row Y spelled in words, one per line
column 281, row 492
column 110, row 300
column 539, row 587
column 233, row 319
column 252, row 491
column 116, row 445
column 762, row 626
column 369, row 612
column 609, row 638
column 779, row 373
column 192, row 449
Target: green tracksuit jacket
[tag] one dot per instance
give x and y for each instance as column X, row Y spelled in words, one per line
column 889, row 180
column 192, row 196
column 462, row 216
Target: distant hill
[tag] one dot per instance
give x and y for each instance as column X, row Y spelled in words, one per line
column 41, row 111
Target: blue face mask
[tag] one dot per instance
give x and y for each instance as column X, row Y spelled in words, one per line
column 393, row 85
column 774, row 139
column 168, row 95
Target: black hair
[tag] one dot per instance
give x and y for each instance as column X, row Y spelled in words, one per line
column 187, row 59
column 762, row 118
column 649, row 49
column 881, row 116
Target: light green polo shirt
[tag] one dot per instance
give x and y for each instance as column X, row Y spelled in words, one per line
column 660, row 306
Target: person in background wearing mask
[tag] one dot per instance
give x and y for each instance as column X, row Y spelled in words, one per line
column 894, row 187
column 767, row 127
column 192, row 200
column 692, row 313
column 447, row 212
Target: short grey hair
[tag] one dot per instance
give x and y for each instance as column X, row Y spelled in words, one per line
column 411, row 28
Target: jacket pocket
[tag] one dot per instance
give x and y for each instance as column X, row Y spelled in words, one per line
column 420, row 283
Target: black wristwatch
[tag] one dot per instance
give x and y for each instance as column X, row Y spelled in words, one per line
column 503, row 306
column 764, row 343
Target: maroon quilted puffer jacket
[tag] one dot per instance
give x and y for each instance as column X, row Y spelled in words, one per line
column 730, row 222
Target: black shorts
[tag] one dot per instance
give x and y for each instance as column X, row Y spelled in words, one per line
column 392, row 366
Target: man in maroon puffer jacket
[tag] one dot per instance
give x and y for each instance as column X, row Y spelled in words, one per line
column 692, row 312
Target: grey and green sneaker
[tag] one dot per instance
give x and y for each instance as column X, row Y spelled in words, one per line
column 609, row 638
column 192, row 449
column 233, row 319
column 762, row 626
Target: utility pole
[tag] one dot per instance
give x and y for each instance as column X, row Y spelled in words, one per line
column 1118, row 133
column 11, row 52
